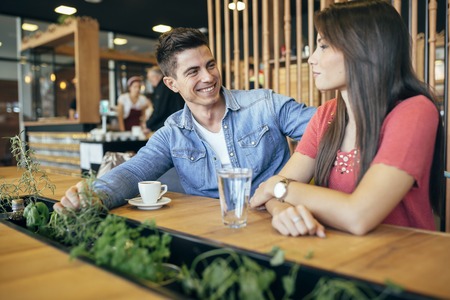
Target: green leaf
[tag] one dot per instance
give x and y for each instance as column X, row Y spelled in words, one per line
column 289, row 281
column 43, row 213
column 249, row 286
column 277, row 256
column 217, row 273
column 250, row 264
column 288, row 285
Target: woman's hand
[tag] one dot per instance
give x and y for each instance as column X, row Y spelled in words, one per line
column 264, row 192
column 297, row 221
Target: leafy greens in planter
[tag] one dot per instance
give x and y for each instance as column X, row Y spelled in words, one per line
column 337, row 288
column 126, row 250
column 233, row 276
column 103, row 238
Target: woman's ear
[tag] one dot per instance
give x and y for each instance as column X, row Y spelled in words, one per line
column 170, row 83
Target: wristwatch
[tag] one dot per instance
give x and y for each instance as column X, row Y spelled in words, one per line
column 280, row 189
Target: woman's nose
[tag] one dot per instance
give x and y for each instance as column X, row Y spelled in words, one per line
column 312, row 60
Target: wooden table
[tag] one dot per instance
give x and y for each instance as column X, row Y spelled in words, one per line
column 415, row 259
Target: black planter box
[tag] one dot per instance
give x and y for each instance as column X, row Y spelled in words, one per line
column 184, row 248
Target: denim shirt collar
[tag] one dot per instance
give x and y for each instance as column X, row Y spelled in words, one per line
column 184, row 120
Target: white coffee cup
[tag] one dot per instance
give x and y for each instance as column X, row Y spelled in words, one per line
column 151, row 191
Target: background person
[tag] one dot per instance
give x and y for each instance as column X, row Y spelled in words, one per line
column 217, row 127
column 370, row 150
column 131, row 106
column 165, row 102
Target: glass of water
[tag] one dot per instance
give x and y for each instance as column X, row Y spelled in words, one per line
column 234, row 192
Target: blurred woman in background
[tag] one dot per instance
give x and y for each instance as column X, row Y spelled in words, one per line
column 131, row 106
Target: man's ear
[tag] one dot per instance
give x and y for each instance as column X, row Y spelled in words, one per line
column 170, row 83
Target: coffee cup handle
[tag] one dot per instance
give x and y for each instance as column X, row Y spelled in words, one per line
column 163, row 190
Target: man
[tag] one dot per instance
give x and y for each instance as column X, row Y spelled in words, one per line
column 216, row 128
column 165, row 102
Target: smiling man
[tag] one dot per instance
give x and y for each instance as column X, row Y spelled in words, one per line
column 217, row 128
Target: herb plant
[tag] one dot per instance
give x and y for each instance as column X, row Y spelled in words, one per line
column 229, row 275
column 36, row 215
column 127, row 250
column 75, row 226
column 339, row 288
column 33, row 180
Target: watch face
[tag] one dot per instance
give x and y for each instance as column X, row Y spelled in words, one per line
column 279, row 190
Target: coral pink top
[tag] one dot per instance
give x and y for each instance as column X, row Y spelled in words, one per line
column 407, row 142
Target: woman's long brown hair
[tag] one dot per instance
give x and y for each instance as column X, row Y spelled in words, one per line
column 376, row 47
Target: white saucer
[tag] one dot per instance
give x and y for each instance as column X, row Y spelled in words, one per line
column 141, row 205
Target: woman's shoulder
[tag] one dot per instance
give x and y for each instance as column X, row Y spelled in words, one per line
column 415, row 110
column 329, row 105
column 417, row 104
column 327, row 109
column 324, row 115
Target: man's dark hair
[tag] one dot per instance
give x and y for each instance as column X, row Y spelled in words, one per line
column 175, row 41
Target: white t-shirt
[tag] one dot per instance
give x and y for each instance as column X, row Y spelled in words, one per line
column 125, row 100
column 216, row 141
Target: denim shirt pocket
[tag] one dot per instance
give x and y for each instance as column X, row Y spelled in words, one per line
column 252, row 139
column 191, row 165
column 256, row 145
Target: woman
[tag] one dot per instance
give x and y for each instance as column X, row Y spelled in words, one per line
column 370, row 150
column 132, row 105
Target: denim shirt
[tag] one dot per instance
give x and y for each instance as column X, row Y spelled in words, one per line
column 255, row 125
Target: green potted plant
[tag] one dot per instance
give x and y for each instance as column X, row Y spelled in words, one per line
column 31, row 184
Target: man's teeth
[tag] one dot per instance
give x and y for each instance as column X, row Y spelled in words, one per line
column 207, row 89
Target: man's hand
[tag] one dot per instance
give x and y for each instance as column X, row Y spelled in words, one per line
column 71, row 198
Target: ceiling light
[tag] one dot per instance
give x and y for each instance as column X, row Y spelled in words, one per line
column 120, row 41
column 161, row 28
column 240, row 6
column 65, row 10
column 1, row 44
column 29, row 27
column 93, row 1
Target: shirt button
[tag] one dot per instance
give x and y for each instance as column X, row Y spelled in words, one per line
column 253, row 143
column 225, row 126
column 231, row 154
column 192, row 158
